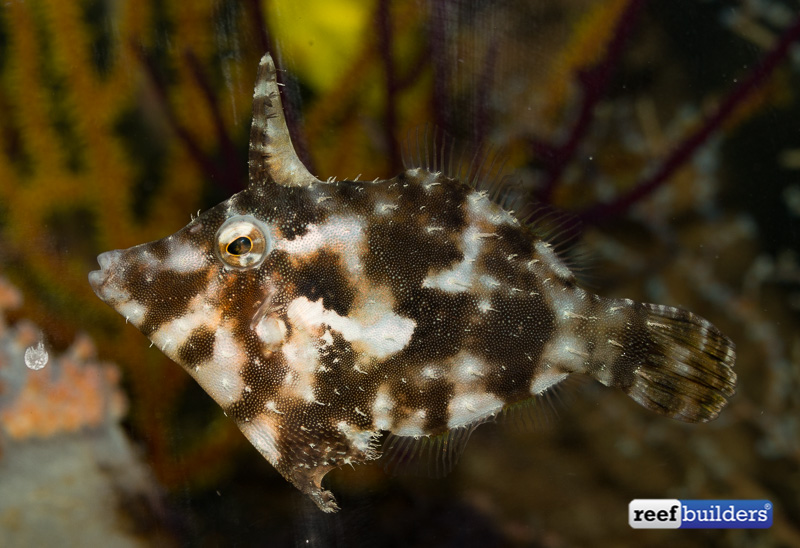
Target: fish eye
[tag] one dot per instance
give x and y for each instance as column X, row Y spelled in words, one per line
column 243, row 242
column 239, row 246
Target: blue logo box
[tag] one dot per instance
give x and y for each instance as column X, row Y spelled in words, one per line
column 726, row 514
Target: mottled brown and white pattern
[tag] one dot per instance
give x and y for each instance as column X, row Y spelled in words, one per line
column 320, row 315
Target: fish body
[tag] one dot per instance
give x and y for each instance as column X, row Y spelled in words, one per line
column 320, row 315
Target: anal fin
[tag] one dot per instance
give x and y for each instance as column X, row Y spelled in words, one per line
column 431, row 456
column 540, row 411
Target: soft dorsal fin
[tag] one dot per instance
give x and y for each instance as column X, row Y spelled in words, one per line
column 433, row 149
column 272, row 155
column 564, row 232
column 430, row 148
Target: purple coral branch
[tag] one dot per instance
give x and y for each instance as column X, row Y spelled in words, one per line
column 265, row 42
column 232, row 165
column 442, row 19
column 196, row 152
column 415, row 70
column 685, row 150
column 437, row 40
column 482, row 114
column 383, row 18
column 593, row 83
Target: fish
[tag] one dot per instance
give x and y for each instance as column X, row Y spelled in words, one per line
column 326, row 316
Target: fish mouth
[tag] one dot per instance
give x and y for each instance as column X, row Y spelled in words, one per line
column 96, row 279
column 99, row 278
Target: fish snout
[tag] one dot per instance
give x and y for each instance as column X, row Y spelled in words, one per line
column 109, row 259
column 108, row 263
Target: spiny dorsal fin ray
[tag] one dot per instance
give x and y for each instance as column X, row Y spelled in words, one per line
column 272, row 155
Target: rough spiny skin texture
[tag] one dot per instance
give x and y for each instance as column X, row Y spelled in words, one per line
column 318, row 314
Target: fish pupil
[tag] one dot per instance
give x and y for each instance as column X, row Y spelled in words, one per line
column 239, row 246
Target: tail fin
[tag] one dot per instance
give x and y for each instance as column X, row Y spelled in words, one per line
column 685, row 366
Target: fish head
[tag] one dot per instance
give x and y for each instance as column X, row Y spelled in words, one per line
column 209, row 295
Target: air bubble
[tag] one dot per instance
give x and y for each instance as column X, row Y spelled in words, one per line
column 36, row 358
